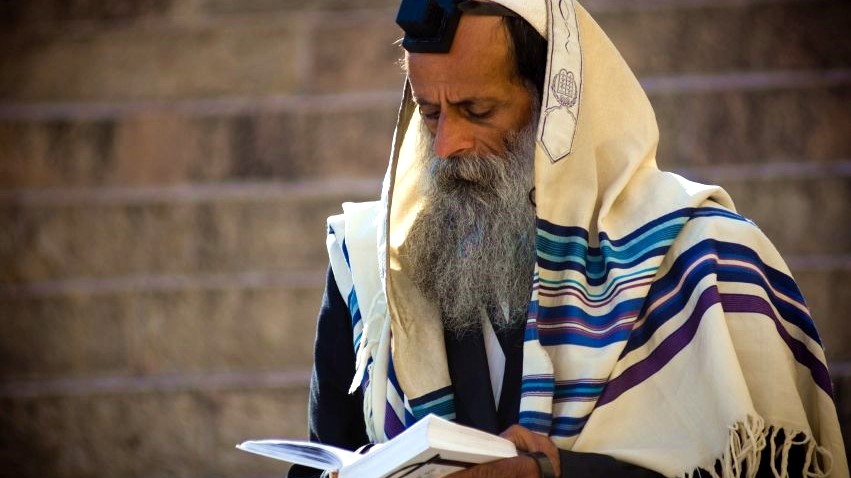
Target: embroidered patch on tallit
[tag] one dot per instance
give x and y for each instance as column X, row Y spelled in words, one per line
column 563, row 82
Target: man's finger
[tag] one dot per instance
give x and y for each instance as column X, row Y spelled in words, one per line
column 529, row 441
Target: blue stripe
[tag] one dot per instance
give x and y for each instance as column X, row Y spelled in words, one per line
column 555, row 246
column 555, row 285
column 724, row 273
column 537, row 385
column 439, row 402
column 564, row 313
column 564, row 231
column 567, row 392
column 530, row 333
column 776, row 280
column 354, row 313
column 544, row 423
column 565, row 248
column 408, row 419
column 391, row 375
column 689, row 213
column 582, row 234
column 568, row 426
column 711, row 211
column 346, row 254
column 600, row 277
column 676, row 302
column 354, row 310
column 365, row 380
column 535, row 421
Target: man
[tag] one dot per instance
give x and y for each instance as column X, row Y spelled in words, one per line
column 529, row 271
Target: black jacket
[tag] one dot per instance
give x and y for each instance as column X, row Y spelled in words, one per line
column 336, row 418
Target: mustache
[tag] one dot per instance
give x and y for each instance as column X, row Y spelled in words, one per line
column 482, row 179
column 468, row 169
column 483, row 176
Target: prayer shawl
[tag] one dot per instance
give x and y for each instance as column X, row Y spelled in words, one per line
column 663, row 328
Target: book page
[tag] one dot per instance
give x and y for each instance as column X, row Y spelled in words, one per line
column 424, row 465
column 314, row 455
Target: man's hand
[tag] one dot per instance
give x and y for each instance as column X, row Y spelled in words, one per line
column 520, row 466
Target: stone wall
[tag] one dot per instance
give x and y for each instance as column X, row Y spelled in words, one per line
column 166, row 167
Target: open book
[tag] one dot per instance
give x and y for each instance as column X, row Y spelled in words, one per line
column 433, row 447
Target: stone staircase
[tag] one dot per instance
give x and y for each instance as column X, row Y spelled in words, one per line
column 166, row 167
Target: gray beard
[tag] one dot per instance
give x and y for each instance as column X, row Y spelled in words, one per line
column 472, row 247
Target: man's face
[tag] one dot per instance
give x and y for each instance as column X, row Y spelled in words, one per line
column 469, row 98
column 472, row 246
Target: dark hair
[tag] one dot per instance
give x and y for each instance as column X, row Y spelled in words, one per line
column 529, row 50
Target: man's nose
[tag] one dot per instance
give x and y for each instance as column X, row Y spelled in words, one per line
column 452, row 136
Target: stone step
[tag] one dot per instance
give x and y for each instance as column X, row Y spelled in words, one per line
column 758, row 36
column 259, row 55
column 43, row 14
column 190, row 434
column 762, row 125
column 195, row 328
column 228, row 7
column 124, row 237
column 729, row 120
column 185, row 328
column 785, row 210
column 299, row 140
column 187, row 434
column 56, row 13
column 107, row 236
column 731, row 36
column 826, row 289
column 332, row 51
column 164, row 61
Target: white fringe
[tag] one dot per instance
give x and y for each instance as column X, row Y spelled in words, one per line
column 750, row 438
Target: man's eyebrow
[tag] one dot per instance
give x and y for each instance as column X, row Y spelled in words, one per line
column 423, row 102
column 461, row 102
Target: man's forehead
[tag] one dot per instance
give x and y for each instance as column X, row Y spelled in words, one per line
column 430, row 25
column 479, row 57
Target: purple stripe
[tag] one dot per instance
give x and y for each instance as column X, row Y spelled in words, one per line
column 392, row 425
column 669, row 347
column 750, row 303
column 582, row 381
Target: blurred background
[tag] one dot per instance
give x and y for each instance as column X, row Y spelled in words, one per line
column 166, row 168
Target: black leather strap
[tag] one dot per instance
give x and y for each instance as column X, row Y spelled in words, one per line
column 545, row 466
